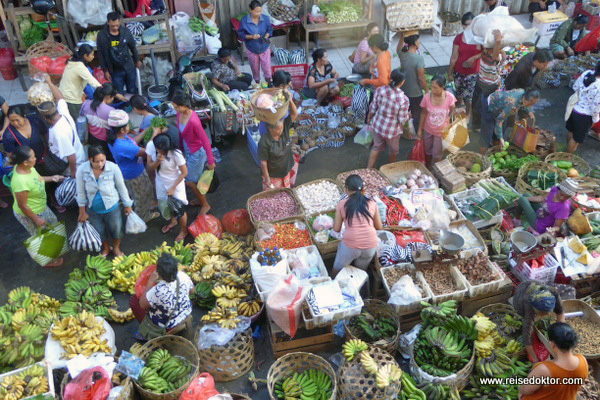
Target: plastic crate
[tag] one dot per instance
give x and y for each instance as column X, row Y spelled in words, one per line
column 501, row 180
column 297, row 71
column 412, row 307
column 479, row 192
column 545, row 274
column 252, row 146
column 312, row 249
column 50, row 394
column 483, row 288
column 457, row 295
column 335, row 316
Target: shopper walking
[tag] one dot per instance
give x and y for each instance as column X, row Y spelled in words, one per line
column 488, row 79
column 76, row 77
column 413, row 66
column 587, row 109
column 255, row 30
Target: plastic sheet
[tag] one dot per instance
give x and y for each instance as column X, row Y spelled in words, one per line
column 214, row 335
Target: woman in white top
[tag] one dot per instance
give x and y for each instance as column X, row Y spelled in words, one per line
column 587, row 109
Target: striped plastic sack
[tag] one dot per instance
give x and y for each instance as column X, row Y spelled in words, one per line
column 67, row 191
column 360, row 102
column 48, row 243
column 85, row 238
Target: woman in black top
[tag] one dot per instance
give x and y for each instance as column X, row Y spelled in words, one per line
column 321, row 80
column 24, row 131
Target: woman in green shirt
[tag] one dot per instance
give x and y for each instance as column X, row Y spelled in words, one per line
column 29, row 192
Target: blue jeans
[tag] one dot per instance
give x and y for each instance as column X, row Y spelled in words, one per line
column 108, row 225
column 195, row 163
column 122, row 78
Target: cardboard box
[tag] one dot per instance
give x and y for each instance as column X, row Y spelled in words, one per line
column 547, row 22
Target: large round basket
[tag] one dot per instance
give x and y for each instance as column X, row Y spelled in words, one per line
column 579, row 163
column 496, row 313
column 284, row 12
column 271, row 193
column 522, row 186
column 47, row 48
column 266, row 115
column 467, row 159
column 397, row 170
column 298, row 362
column 128, row 392
column 177, row 346
column 451, row 23
column 589, row 186
column 229, row 362
column 378, row 308
column 356, row 384
column 508, row 174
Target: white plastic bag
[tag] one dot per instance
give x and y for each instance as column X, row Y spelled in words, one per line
column 513, row 33
column 135, row 224
column 213, row 44
column 85, row 238
column 89, row 12
column 381, row 208
column 267, row 277
column 284, row 304
column 184, row 35
column 322, row 223
column 404, row 292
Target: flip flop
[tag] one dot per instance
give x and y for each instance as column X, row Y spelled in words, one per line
column 180, row 238
column 166, row 229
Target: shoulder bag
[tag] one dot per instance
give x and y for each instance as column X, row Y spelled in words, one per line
column 149, row 330
column 51, row 164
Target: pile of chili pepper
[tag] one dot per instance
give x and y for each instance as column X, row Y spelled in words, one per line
column 287, row 236
column 395, row 211
column 405, row 237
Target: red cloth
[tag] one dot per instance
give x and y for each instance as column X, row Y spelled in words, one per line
column 138, row 311
column 465, row 51
column 195, row 137
column 541, row 351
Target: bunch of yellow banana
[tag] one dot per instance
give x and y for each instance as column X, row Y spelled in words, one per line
column 353, row 346
column 483, row 324
column 45, row 302
column 12, row 387
column 121, row 316
column 368, row 363
column 485, row 346
column 514, row 347
column 226, row 318
column 387, row 374
column 80, row 334
column 232, row 249
column 124, row 281
column 206, row 243
column 248, row 308
column 24, row 316
column 20, row 298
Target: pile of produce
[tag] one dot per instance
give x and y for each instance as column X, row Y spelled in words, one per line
column 541, row 179
column 502, row 161
column 341, row 11
column 25, row 321
column 438, row 391
column 198, row 25
column 409, row 389
column 276, row 206
column 372, row 180
column 438, row 278
column 445, row 342
column 318, row 197
column 416, row 179
column 39, row 93
column 222, row 101
column 508, row 324
column 33, row 35
column 463, row 165
column 80, row 334
column 312, row 384
column 164, row 373
column 476, row 269
column 588, row 334
column 590, row 390
column 370, row 328
column 595, row 173
column 501, row 196
column 30, row 382
column 287, row 236
column 347, row 90
column 157, row 122
column 393, row 275
column 395, row 211
column 567, row 167
column 384, row 375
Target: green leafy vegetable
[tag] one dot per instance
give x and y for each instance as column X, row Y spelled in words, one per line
column 157, row 122
column 33, row 35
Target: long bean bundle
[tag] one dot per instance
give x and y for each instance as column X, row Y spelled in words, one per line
column 500, row 197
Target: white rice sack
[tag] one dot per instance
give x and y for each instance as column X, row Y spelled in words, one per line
column 513, row 33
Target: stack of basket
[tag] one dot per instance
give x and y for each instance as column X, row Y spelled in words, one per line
column 450, row 180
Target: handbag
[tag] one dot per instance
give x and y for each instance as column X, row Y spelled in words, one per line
column 149, row 330
column 525, row 137
column 455, row 136
column 48, row 243
column 573, row 99
column 50, row 163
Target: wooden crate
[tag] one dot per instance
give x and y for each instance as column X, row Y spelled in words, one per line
column 408, row 321
column 470, row 305
column 311, row 341
column 585, row 284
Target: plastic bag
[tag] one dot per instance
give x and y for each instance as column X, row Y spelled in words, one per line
column 513, row 33
column 130, row 364
column 206, row 223
column 364, row 137
column 381, row 208
column 284, row 304
column 134, row 224
column 213, row 44
column 404, row 292
column 265, row 231
column 214, row 335
column 91, row 384
column 176, row 206
column 205, row 180
column 142, row 280
column 152, row 35
column 417, row 153
column 322, row 222
column 85, row 238
column 89, row 12
column 184, row 35
column 66, row 192
column 267, row 277
column 200, row 388
column 237, row 222
column 407, row 341
column 333, row 121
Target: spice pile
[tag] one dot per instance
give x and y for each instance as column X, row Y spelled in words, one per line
column 271, row 208
column 590, row 390
column 372, row 180
column 319, row 196
column 476, row 269
column 287, row 236
column 395, row 211
column 589, row 336
column 438, row 278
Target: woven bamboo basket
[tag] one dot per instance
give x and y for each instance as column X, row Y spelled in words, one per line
column 47, row 48
column 410, row 15
column 523, row 187
column 304, row 185
column 229, row 362
column 283, row 12
column 266, row 115
column 368, row 190
column 458, row 379
column 355, row 383
column 471, row 157
column 397, row 170
column 270, row 193
column 496, row 312
column 589, row 186
column 378, row 308
column 451, row 23
column 290, row 220
column 546, row 144
column 508, row 174
column 128, row 392
column 297, row 363
column 579, row 163
column 177, row 346
column 326, row 249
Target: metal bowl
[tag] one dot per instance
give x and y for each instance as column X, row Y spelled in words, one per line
column 354, row 78
column 451, row 243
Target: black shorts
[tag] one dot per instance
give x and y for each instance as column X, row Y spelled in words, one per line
column 579, row 125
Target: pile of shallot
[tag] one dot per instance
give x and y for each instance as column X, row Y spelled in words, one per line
column 416, row 180
column 279, row 205
column 318, row 197
column 372, row 180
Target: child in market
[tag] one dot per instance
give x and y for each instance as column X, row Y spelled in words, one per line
column 436, row 108
column 168, row 161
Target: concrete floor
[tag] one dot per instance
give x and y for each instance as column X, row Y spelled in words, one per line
column 240, row 178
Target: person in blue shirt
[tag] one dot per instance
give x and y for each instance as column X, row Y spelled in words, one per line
column 255, row 29
column 129, row 156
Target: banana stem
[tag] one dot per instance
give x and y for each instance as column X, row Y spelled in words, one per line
column 254, row 380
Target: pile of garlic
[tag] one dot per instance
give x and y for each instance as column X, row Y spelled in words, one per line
column 318, row 197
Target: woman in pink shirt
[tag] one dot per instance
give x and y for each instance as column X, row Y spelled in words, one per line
column 361, row 219
column 195, row 146
column 96, row 114
column 436, row 108
column 363, row 56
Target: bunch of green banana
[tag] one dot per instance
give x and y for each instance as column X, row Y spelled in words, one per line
column 163, row 372
column 409, row 389
column 462, row 326
column 351, row 347
column 100, row 265
column 438, row 314
column 494, row 365
column 441, row 353
column 434, row 391
column 5, row 317
column 370, row 328
column 157, row 358
column 309, row 385
column 447, row 342
column 70, row 308
column 19, row 298
column 174, row 369
column 150, row 381
column 497, row 392
column 514, row 347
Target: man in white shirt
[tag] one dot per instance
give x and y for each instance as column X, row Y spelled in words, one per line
column 63, row 140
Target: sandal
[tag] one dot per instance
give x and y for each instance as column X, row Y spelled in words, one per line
column 180, row 238
column 168, row 228
column 55, row 263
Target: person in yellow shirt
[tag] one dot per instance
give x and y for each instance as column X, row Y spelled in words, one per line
column 75, row 77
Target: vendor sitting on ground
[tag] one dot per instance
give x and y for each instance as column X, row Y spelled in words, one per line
column 363, row 56
column 164, row 307
column 555, row 208
column 567, row 35
column 226, row 75
column 533, row 301
column 321, row 80
column 562, row 340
